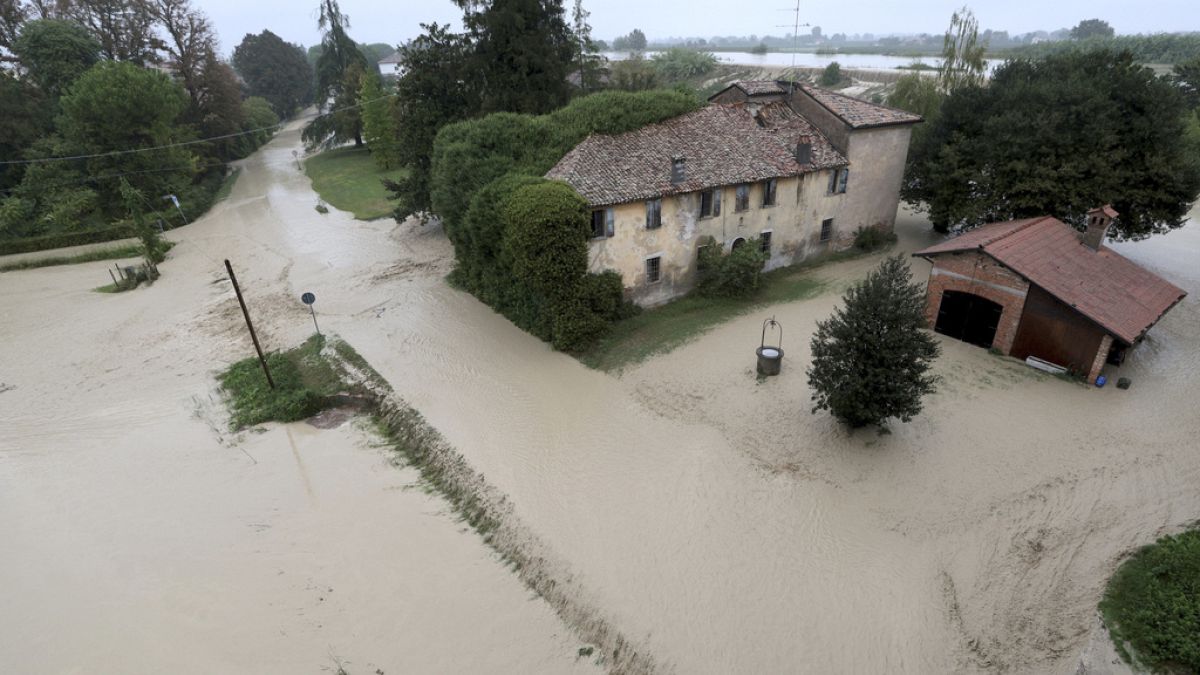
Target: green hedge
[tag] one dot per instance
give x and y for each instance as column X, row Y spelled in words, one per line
column 63, row 239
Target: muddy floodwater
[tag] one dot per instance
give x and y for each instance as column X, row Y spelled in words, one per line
column 709, row 517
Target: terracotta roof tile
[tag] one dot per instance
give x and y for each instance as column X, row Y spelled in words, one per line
column 721, row 145
column 760, row 87
column 1108, row 288
column 857, row 113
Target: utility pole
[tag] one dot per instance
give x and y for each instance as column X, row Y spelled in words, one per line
column 246, row 313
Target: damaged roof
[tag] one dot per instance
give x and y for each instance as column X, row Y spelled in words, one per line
column 855, row 112
column 1121, row 296
column 723, row 144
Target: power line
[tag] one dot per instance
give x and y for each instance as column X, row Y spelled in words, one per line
column 116, row 153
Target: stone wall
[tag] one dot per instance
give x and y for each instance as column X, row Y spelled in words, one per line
column 980, row 274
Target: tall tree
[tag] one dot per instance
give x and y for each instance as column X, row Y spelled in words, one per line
column 962, row 53
column 339, row 69
column 1059, row 136
column 54, row 53
column 587, row 60
column 275, row 70
column 24, row 117
column 125, row 28
column 379, row 121
column 190, row 41
column 1186, row 76
column 1089, row 28
column 522, row 51
column 437, row 86
column 871, row 359
column 12, row 14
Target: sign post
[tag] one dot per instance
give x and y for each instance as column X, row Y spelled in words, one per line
column 309, row 299
column 175, row 200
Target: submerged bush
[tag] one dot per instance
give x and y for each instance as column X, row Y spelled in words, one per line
column 872, row 238
column 730, row 275
column 1153, row 604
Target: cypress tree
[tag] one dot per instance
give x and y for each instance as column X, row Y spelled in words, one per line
column 871, row 359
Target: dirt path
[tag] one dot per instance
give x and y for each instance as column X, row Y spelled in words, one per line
column 710, row 518
column 140, row 537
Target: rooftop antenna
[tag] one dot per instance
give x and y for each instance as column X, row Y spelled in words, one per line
column 796, row 26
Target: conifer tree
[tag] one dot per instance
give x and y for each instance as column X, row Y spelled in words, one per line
column 379, row 121
column 871, row 359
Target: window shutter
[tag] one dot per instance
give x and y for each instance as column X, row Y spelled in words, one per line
column 833, row 179
column 845, row 178
column 716, row 201
column 609, row 222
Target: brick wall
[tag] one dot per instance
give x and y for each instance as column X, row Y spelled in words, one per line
column 980, row 274
column 1101, row 357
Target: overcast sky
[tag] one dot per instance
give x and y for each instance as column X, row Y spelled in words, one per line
column 393, row 22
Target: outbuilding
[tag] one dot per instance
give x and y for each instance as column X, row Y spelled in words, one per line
column 1037, row 287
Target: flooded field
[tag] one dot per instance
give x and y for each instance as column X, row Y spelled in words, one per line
column 709, row 517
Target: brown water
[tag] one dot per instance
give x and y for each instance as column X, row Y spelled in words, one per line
column 709, row 517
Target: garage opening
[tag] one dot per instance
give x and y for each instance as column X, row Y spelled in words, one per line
column 968, row 317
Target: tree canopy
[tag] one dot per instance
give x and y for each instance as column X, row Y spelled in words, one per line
column 54, row 53
column 275, row 70
column 340, row 67
column 635, row 41
column 1092, row 28
column 871, row 359
column 1059, row 136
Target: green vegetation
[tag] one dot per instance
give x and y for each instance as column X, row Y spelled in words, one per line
column 227, row 185
column 871, row 359
column 677, row 63
column 340, row 68
column 1154, row 48
column 832, row 75
column 115, row 253
column 980, row 160
column 275, row 70
column 1152, row 606
column 665, row 328
column 736, row 274
column 349, row 179
column 305, row 381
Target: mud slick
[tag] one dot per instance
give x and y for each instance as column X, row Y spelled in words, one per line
column 683, row 517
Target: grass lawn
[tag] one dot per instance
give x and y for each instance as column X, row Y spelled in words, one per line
column 662, row 329
column 304, row 382
column 1152, row 606
column 348, row 179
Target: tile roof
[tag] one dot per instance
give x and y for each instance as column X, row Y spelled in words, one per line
column 721, row 145
column 760, row 87
column 857, row 113
column 1108, row 288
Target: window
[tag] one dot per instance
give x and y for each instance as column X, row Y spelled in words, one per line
column 602, row 223
column 653, row 213
column 837, row 181
column 827, row 229
column 710, row 203
column 769, row 192
column 765, row 242
column 653, row 269
column 741, row 201
column 737, row 243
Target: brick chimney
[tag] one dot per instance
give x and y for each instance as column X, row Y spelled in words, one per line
column 804, row 150
column 1098, row 221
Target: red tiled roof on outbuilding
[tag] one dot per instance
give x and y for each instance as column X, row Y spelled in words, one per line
column 1108, row 288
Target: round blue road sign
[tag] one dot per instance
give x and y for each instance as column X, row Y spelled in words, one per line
column 308, row 298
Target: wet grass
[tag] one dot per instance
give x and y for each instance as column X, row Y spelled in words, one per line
column 305, row 382
column 662, row 329
column 114, row 253
column 227, row 185
column 349, row 180
column 1152, row 606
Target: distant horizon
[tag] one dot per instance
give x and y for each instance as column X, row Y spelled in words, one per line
column 376, row 22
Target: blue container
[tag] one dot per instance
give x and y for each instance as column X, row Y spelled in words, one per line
column 1101, row 381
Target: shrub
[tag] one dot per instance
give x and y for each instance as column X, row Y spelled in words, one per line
column 65, row 239
column 678, row 63
column 872, row 238
column 831, row 75
column 731, row 275
column 1153, row 604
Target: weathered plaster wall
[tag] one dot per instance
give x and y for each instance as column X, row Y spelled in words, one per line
column 837, row 131
column 877, row 159
column 794, row 221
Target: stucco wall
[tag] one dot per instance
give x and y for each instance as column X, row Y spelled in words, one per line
column 877, row 159
column 795, row 223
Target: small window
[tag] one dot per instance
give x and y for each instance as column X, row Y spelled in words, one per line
column 837, row 181
column 827, row 229
column 741, row 201
column 765, row 242
column 602, row 223
column 653, row 214
column 710, row 203
column 653, row 269
column 769, row 187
